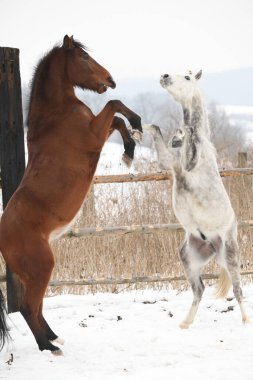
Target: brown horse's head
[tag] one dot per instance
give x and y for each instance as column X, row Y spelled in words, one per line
column 82, row 70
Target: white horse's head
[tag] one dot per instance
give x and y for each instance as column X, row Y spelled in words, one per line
column 181, row 87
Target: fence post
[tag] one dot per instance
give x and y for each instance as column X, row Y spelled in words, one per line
column 12, row 155
column 242, row 160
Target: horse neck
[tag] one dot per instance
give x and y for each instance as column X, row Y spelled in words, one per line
column 50, row 87
column 195, row 114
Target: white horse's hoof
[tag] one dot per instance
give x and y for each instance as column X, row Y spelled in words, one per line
column 137, row 136
column 184, row 325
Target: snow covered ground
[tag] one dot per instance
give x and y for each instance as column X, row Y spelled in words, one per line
column 135, row 336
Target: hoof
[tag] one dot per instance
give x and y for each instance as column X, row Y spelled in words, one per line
column 184, row 325
column 127, row 160
column 245, row 320
column 58, row 340
column 57, row 352
column 136, row 135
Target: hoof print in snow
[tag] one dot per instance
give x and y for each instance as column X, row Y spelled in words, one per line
column 149, row 302
column 10, row 360
column 119, row 318
column 230, row 308
column 91, row 316
column 82, row 324
column 170, row 314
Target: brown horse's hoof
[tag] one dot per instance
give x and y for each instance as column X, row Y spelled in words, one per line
column 58, row 352
column 58, row 340
column 127, row 160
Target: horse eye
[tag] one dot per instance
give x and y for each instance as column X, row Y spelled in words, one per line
column 187, row 77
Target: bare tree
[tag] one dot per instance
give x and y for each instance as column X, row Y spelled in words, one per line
column 228, row 138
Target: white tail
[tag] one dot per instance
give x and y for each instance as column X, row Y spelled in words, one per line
column 223, row 284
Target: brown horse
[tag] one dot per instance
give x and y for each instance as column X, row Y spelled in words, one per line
column 64, row 144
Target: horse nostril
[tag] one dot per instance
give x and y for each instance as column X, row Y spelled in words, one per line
column 166, row 75
column 111, row 81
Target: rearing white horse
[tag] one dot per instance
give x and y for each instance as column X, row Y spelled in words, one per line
column 200, row 201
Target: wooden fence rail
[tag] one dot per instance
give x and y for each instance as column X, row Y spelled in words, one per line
column 144, row 177
column 142, row 228
column 130, row 280
column 121, row 178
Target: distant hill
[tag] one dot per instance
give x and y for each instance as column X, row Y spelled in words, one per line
column 233, row 87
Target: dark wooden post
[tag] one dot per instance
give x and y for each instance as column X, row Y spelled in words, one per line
column 12, row 155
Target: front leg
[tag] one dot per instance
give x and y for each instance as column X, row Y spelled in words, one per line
column 129, row 143
column 101, row 124
column 163, row 154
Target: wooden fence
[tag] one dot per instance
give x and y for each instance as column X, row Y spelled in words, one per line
column 143, row 228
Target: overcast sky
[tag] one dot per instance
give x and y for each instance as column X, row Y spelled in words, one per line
column 134, row 38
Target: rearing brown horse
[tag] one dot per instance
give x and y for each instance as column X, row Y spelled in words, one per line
column 64, row 144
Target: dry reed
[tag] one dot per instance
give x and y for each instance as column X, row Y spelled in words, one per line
column 139, row 254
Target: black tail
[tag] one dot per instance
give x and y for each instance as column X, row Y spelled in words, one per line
column 4, row 331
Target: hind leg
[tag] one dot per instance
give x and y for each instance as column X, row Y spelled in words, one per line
column 48, row 331
column 34, row 265
column 195, row 253
column 233, row 268
column 193, row 276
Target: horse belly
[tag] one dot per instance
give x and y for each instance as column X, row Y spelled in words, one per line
column 60, row 231
column 197, row 214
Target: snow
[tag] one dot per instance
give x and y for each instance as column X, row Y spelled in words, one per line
column 145, row 344
column 110, row 161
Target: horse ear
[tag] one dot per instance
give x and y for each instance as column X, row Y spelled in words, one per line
column 198, row 75
column 67, row 42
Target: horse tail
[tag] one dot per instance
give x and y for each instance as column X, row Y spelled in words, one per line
column 4, row 331
column 223, row 285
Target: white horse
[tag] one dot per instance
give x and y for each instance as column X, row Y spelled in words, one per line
column 200, row 201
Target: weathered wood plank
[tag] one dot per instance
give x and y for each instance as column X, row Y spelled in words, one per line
column 130, row 280
column 121, row 178
column 142, row 228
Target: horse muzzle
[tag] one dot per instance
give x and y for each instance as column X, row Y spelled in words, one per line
column 104, row 86
column 111, row 82
column 165, row 80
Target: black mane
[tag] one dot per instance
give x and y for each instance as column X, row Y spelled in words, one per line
column 41, row 69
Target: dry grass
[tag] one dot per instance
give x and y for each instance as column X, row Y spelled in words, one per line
column 138, row 254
